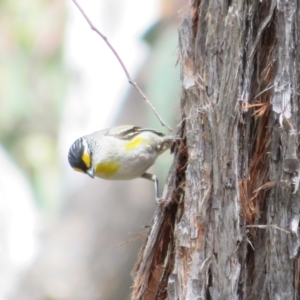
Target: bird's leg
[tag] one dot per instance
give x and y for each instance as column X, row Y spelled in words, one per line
column 155, row 180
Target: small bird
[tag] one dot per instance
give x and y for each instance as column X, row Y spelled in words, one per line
column 119, row 153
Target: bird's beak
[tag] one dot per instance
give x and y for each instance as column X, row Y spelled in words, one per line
column 90, row 172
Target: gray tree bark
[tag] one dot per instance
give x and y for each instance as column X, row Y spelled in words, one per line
column 227, row 227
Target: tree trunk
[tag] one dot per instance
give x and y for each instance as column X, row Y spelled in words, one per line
column 227, row 227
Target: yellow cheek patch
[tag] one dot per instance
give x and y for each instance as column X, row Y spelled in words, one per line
column 86, row 159
column 107, row 168
column 134, row 143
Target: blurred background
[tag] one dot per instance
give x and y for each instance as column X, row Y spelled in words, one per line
column 62, row 234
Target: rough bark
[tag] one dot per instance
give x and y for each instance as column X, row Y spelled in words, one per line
column 227, row 227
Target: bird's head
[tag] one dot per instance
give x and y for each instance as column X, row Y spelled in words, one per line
column 80, row 157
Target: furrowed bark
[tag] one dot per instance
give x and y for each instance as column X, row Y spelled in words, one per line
column 228, row 225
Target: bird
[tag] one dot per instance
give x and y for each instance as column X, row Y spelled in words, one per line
column 120, row 153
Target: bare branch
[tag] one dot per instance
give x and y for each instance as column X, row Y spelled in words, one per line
column 122, row 65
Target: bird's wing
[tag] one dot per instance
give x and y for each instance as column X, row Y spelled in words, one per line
column 128, row 131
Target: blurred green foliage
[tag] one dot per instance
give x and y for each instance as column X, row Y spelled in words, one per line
column 32, row 88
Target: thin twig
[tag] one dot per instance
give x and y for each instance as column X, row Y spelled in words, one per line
column 268, row 88
column 140, row 236
column 122, row 64
column 267, row 226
